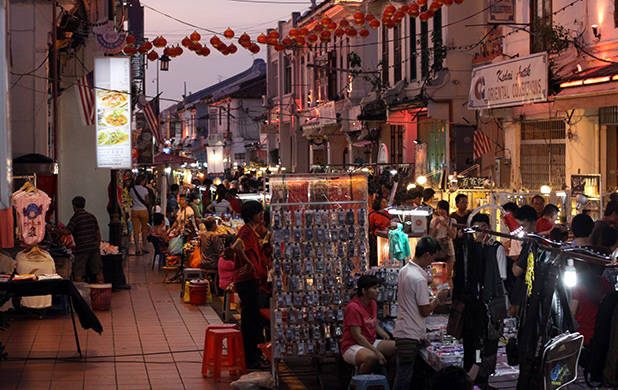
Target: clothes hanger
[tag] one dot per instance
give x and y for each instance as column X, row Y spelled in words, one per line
column 34, row 250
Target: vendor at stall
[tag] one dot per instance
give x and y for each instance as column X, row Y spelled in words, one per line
column 211, row 245
column 379, row 219
column 360, row 345
column 414, row 306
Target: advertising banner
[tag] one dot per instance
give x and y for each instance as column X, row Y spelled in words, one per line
column 509, row 83
column 113, row 112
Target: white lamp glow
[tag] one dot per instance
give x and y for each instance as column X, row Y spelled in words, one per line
column 421, row 180
column 545, row 190
column 410, row 186
column 570, row 274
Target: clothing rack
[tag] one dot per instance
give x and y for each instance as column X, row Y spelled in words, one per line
column 31, row 178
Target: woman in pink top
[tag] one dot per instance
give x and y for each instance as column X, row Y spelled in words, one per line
column 359, row 344
column 225, row 267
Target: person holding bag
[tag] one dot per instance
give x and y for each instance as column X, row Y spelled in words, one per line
column 140, row 214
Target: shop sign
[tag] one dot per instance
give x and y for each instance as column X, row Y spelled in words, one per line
column 322, row 115
column 471, row 182
column 501, row 11
column 588, row 185
column 509, row 83
column 113, row 112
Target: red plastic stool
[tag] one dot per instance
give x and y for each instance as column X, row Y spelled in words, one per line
column 217, row 326
column 216, row 360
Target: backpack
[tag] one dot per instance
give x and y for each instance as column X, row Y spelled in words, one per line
column 599, row 347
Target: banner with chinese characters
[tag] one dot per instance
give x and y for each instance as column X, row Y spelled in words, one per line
column 113, row 112
column 509, row 83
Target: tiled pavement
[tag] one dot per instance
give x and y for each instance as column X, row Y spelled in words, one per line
column 156, row 339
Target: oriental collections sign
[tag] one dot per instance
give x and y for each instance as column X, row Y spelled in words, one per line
column 509, row 83
column 113, row 112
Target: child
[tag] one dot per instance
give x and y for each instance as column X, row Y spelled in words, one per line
column 226, row 268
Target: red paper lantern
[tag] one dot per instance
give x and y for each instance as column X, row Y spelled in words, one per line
column 404, row 9
column 278, row 47
column 228, row 33
column 430, row 13
column 274, row 34
column 195, row 46
column 344, row 23
column 303, row 32
column 390, row 24
column 204, row 51
column 293, row 32
column 448, row 3
column 434, row 6
column 244, row 38
column 332, row 26
column 224, row 50
column 186, row 42
column 389, row 10
column 414, row 13
column 215, row 41
column 325, row 36
column 245, row 43
column 129, row 50
column 300, row 40
column 153, row 55
column 195, row 36
column 273, row 41
column 422, row 3
column 424, row 16
column 369, row 17
column 318, row 28
column 159, row 42
column 287, row 41
column 325, row 21
column 145, row 47
column 413, row 8
column 130, row 39
column 359, row 21
column 359, row 15
column 178, row 51
column 254, row 48
column 339, row 32
column 312, row 38
column 167, row 52
column 232, row 48
column 398, row 17
column 262, row 39
column 374, row 23
column 363, row 33
column 351, row 32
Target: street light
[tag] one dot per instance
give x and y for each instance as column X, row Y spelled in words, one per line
column 165, row 63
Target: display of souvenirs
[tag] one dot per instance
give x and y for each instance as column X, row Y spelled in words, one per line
column 320, row 248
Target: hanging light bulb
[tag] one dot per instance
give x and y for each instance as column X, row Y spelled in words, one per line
column 545, row 189
column 421, row 180
column 570, row 274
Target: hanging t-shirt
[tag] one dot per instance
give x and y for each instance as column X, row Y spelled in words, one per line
column 37, row 264
column 30, row 208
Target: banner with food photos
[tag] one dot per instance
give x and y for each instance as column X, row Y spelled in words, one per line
column 113, row 112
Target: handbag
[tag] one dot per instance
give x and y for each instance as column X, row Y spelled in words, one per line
column 454, row 326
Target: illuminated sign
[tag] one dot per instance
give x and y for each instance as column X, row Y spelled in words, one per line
column 509, row 83
column 113, row 112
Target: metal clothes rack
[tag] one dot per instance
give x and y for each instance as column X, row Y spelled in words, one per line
column 27, row 177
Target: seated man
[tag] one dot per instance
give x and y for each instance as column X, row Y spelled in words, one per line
column 211, row 245
column 359, row 344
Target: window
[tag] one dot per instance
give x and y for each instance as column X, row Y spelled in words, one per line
column 396, row 152
column 287, row 76
column 540, row 17
column 542, row 154
column 413, row 48
column 385, row 60
column 397, row 53
column 437, row 41
column 424, row 47
column 332, row 75
column 239, row 156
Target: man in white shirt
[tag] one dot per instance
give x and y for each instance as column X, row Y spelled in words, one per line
column 184, row 217
column 414, row 306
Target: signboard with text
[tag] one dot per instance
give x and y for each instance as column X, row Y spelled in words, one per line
column 113, row 112
column 509, row 83
column 501, row 11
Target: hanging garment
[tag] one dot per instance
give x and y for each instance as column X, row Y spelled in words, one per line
column 399, row 245
column 37, row 262
column 7, row 235
column 30, row 208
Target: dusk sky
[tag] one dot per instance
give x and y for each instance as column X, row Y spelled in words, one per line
column 201, row 72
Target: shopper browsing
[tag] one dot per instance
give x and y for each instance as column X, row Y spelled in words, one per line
column 360, row 345
column 442, row 228
column 87, row 235
column 414, row 306
column 545, row 224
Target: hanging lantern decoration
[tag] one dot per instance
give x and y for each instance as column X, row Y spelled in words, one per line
column 195, row 46
column 344, row 23
column 274, row 34
column 359, row 18
column 389, row 10
column 229, row 33
column 398, row 16
column 195, row 36
column 178, row 51
column 232, row 48
column 369, row 18
column 339, row 32
column 300, row 40
column 325, row 21
column 364, row 33
column 318, row 28
column 312, row 38
column 325, row 36
column 293, row 32
column 254, row 48
column 186, row 42
column 351, row 32
column 278, row 47
column 225, row 50
column 244, row 38
column 430, row 13
column 273, row 41
column 166, row 51
column 262, row 39
column 404, row 8
column 204, row 51
column 390, row 23
column 130, row 39
column 422, row 3
column 332, row 26
column 448, row 3
column 287, row 41
column 145, row 47
column 159, row 42
column 434, row 6
column 424, row 16
column 215, row 41
column 303, row 32
column 413, row 11
column 129, row 50
column 374, row 23
column 153, row 56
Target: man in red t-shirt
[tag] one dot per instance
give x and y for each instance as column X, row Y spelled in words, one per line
column 545, row 224
column 359, row 344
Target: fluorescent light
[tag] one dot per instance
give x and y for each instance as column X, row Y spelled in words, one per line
column 596, row 80
column 545, row 190
column 567, row 84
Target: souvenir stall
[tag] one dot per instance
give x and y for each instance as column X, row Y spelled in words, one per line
column 319, row 230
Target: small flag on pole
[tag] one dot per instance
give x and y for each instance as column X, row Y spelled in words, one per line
column 85, row 95
column 151, row 112
column 482, row 144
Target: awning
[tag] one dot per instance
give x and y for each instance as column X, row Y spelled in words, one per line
column 171, row 159
column 591, row 88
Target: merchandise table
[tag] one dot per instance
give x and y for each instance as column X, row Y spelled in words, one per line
column 26, row 288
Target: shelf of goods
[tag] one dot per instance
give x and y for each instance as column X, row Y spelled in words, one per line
column 319, row 228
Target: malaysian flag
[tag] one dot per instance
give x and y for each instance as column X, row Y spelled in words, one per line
column 482, row 144
column 85, row 94
column 151, row 112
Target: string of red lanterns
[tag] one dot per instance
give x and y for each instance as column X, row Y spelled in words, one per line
column 322, row 30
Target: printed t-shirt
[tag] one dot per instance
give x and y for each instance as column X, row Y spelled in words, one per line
column 85, row 230
column 30, row 208
column 365, row 317
column 252, row 249
column 412, row 292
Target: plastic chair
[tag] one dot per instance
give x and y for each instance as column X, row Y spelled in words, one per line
column 158, row 255
column 214, row 358
column 364, row 382
column 228, row 298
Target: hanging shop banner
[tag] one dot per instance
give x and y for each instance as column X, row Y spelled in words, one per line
column 113, row 112
column 501, row 11
column 509, row 83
